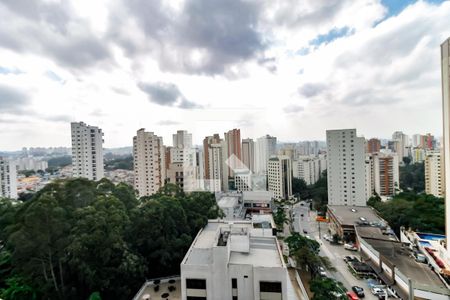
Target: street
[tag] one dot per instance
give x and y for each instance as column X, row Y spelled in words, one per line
column 304, row 222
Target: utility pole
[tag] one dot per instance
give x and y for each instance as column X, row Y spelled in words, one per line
column 318, row 223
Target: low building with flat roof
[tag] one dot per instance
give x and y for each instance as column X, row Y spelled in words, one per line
column 343, row 219
column 394, row 263
column 235, row 259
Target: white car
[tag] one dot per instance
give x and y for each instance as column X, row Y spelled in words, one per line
column 322, row 272
column 350, row 247
column 377, row 291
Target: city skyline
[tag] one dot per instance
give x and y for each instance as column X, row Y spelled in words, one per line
column 288, row 72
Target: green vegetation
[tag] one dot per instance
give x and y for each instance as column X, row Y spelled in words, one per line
column 326, row 288
column 280, row 218
column 125, row 163
column 80, row 239
column 318, row 192
column 419, row 212
column 412, row 177
column 27, row 173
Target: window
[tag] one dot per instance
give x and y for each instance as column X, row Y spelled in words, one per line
column 199, row 284
column 269, row 287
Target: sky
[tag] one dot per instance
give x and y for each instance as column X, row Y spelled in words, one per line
column 289, row 68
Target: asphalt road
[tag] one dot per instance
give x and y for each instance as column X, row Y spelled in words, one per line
column 305, row 223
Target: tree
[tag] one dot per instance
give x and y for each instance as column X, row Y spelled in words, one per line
column 406, row 160
column 326, row 288
column 412, row 177
column 280, row 218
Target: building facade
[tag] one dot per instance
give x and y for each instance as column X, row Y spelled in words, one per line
column 8, row 179
column 373, row 145
column 266, row 146
column 216, row 169
column 87, row 151
column 234, row 151
column 384, row 174
column 234, row 260
column 149, row 162
column 346, row 168
column 434, row 183
column 279, row 176
column 308, row 168
column 248, row 154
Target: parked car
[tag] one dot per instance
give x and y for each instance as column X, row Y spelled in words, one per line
column 322, row 272
column 350, row 258
column 421, row 258
column 327, row 237
column 337, row 295
column 358, row 291
column 350, row 247
column 377, row 291
column 352, row 296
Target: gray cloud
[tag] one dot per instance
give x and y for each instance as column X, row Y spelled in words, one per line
column 12, row 100
column 51, row 29
column 166, row 94
column 57, row 118
column 205, row 37
column 310, row 90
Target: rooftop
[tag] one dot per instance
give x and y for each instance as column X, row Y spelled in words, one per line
column 399, row 254
column 352, row 215
column 248, row 245
column 149, row 292
column 227, row 202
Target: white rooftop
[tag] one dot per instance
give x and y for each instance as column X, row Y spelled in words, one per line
column 247, row 245
column 227, row 202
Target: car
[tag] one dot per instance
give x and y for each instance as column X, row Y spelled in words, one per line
column 337, row 295
column 359, row 291
column 377, row 291
column 350, row 258
column 350, row 247
column 305, row 232
column 352, row 296
column 421, row 258
column 322, row 272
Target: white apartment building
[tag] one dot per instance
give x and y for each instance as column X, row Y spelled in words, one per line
column 346, row 168
column 384, row 173
column 234, row 260
column 87, row 151
column 149, row 162
column 265, row 147
column 243, row 180
column 279, row 176
column 248, row 154
column 434, row 183
column 401, row 144
column 183, row 162
column 8, row 179
column 309, row 168
column 31, row 163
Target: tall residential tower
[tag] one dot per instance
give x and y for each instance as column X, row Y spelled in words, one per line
column 346, row 168
column 87, row 151
column 149, row 162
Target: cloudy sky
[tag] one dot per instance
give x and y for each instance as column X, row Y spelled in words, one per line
column 290, row 68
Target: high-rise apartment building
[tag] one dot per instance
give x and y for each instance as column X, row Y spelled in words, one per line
column 234, row 151
column 346, row 168
column 8, row 179
column 384, row 174
column 182, row 167
column 401, row 144
column 149, row 162
column 248, row 154
column 279, row 176
column 216, row 170
column 445, row 73
column 434, row 183
column 87, row 151
column 307, row 168
column 373, row 145
column 266, row 146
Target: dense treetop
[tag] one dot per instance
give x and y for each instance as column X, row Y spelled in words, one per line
column 77, row 237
